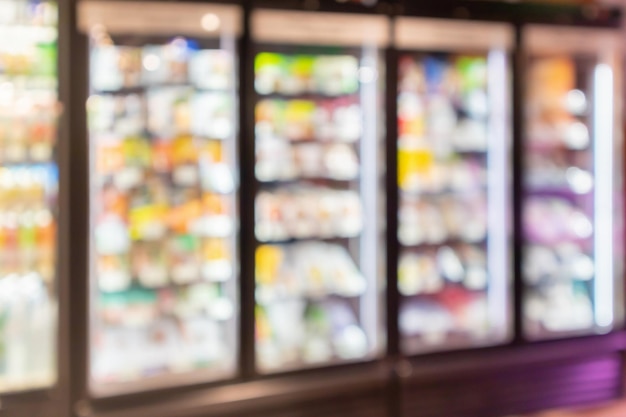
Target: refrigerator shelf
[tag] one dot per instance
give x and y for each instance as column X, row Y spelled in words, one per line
column 29, row 82
column 263, row 299
column 463, row 153
column 115, row 179
column 309, row 96
column 450, row 153
column 31, row 34
column 424, row 296
column 313, row 140
column 309, row 141
column 10, row 385
column 535, row 146
column 269, row 184
column 556, row 192
column 343, row 240
column 216, row 319
column 30, row 164
column 446, row 242
column 27, row 165
column 152, row 136
column 416, row 194
column 142, row 89
column 172, row 285
column 535, row 240
column 549, row 282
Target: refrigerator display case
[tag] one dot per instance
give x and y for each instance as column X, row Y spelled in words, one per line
column 453, row 173
column 319, row 262
column 572, row 208
column 163, row 123
column 28, row 195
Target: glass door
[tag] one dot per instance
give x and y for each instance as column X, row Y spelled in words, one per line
column 28, row 194
column 319, row 263
column 453, row 179
column 572, row 194
column 164, row 224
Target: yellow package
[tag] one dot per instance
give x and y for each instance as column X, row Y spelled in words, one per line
column 413, row 162
column 268, row 262
column 147, row 221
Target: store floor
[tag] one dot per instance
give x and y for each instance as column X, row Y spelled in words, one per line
column 617, row 409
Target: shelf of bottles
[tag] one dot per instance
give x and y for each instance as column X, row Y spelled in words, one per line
column 446, row 167
column 28, row 194
column 315, row 293
column 559, row 213
column 162, row 122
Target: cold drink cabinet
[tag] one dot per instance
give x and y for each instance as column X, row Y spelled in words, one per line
column 164, row 225
column 572, row 208
column 454, row 177
column 29, row 274
column 318, row 137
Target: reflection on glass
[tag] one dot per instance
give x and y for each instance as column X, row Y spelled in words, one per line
column 311, row 288
column 447, row 193
column 28, row 194
column 162, row 131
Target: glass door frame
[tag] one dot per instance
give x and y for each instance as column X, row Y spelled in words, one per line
column 270, row 38
column 85, row 393
column 53, row 400
column 416, row 35
column 603, row 44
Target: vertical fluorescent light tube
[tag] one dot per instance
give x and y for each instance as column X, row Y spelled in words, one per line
column 369, row 187
column 498, row 178
column 94, row 204
column 603, row 196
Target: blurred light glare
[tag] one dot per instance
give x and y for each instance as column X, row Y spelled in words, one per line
column 367, row 75
column 23, row 106
column 579, row 180
column 576, row 102
column 210, row 22
column 179, row 42
column 6, row 93
column 577, row 136
column 151, row 62
column 583, row 268
column 581, row 226
column 603, row 197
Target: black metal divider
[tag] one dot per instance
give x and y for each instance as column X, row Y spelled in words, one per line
column 64, row 160
column 391, row 169
column 517, row 189
column 79, row 236
column 247, row 193
column 391, row 109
